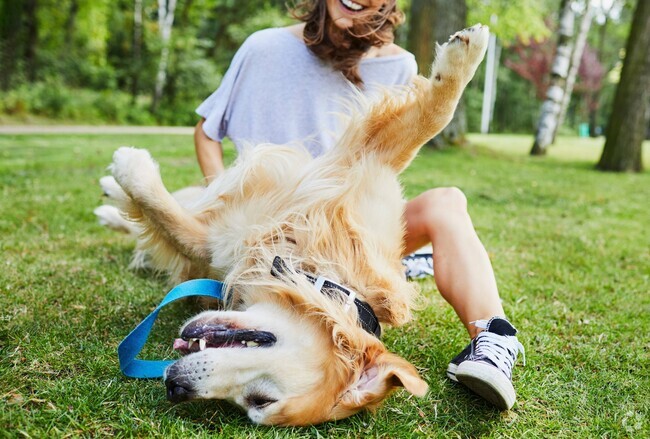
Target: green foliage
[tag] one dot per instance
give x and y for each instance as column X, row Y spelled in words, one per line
column 54, row 100
column 190, row 79
column 89, row 45
column 516, row 108
column 85, row 50
column 509, row 21
column 265, row 18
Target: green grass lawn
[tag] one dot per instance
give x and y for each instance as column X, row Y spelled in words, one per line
column 570, row 247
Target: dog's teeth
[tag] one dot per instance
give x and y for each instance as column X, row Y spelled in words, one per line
column 243, row 342
column 252, row 344
column 190, row 343
column 202, row 344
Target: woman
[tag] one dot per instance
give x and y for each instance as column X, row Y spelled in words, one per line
column 287, row 84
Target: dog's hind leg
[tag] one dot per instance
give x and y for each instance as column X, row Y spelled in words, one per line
column 167, row 225
column 109, row 215
column 398, row 125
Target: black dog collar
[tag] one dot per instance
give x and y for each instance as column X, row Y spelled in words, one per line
column 367, row 318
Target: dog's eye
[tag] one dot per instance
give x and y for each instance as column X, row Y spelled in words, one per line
column 259, row 401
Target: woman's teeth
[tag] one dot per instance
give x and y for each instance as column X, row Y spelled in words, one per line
column 352, row 5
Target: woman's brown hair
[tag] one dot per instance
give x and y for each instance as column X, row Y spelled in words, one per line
column 343, row 48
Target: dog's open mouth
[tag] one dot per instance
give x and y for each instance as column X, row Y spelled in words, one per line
column 202, row 337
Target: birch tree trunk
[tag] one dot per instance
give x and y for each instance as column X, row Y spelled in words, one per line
column 559, row 70
column 490, row 85
column 576, row 57
column 166, row 10
column 631, row 111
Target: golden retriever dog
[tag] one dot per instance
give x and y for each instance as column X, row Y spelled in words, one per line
column 309, row 250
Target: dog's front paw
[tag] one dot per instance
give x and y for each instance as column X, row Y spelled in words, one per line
column 134, row 169
column 475, row 37
column 461, row 55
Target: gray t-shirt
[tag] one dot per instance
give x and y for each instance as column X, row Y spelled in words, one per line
column 276, row 90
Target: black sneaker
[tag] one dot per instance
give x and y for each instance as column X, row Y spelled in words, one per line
column 485, row 365
column 419, row 264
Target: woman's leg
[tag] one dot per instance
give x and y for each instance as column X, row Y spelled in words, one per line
column 463, row 272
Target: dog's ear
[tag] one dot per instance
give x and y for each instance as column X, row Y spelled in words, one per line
column 378, row 378
column 404, row 374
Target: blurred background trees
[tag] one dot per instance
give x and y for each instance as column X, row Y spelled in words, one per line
column 120, row 61
column 628, row 123
column 154, row 61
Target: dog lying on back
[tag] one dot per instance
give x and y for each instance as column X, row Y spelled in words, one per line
column 309, row 251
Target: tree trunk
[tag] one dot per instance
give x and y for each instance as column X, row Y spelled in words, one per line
column 594, row 97
column 31, row 37
column 11, row 13
column 165, row 22
column 559, row 70
column 137, row 49
column 434, row 21
column 576, row 57
column 185, row 14
column 631, row 110
column 70, row 24
column 490, row 83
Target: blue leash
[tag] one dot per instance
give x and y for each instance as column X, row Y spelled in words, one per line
column 133, row 343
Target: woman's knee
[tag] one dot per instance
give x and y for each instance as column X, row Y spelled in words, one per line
column 445, row 200
column 436, row 211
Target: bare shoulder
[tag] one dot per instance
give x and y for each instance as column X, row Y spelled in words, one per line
column 296, row 29
column 387, row 50
column 391, row 49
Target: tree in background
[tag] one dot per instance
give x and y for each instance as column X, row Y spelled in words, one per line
column 11, row 33
column 166, row 11
column 136, row 57
column 532, row 61
column 94, row 61
column 548, row 119
column 576, row 58
column 590, row 83
column 433, row 21
column 629, row 118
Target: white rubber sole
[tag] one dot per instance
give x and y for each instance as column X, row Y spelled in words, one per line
column 488, row 382
column 451, row 372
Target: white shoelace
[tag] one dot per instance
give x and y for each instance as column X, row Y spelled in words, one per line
column 501, row 350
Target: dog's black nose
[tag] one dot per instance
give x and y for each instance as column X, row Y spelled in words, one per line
column 176, row 393
column 178, row 389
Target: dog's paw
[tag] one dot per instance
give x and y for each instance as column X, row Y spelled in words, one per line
column 475, row 36
column 461, row 55
column 134, row 169
column 109, row 216
column 111, row 189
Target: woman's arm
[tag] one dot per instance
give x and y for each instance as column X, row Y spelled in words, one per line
column 209, row 153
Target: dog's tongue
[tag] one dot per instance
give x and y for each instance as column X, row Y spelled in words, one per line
column 179, row 343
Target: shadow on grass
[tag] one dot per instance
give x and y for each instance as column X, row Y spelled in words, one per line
column 211, row 414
